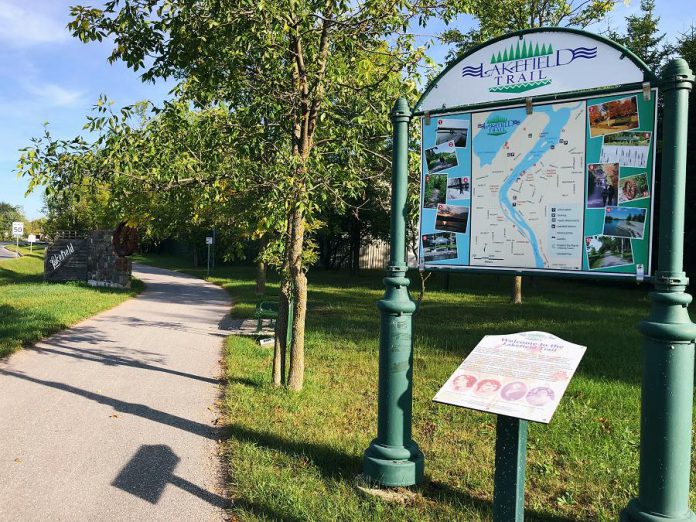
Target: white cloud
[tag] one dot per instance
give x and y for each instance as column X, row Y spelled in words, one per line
column 55, row 95
column 22, row 26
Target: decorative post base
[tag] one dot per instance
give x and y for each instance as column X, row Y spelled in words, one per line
column 634, row 512
column 394, row 466
column 393, row 458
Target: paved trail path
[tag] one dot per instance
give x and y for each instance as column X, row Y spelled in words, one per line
column 4, row 253
column 113, row 419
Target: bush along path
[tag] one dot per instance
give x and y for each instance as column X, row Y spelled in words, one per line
column 114, row 418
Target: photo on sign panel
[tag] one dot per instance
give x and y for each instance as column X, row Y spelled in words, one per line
column 602, row 184
column 434, row 190
column 628, row 149
column 613, row 116
column 540, row 396
column 513, row 391
column 456, row 131
column 458, row 188
column 462, row 383
column 441, row 157
column 452, row 218
column 439, row 246
column 624, row 222
column 607, row 251
column 634, row 188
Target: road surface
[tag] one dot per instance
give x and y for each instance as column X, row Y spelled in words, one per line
column 4, row 253
column 114, row 419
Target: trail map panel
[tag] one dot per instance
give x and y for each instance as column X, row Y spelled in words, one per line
column 528, row 187
column 565, row 188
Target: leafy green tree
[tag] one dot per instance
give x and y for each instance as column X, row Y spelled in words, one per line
column 503, row 16
column 303, row 88
column 643, row 36
column 83, row 208
column 8, row 214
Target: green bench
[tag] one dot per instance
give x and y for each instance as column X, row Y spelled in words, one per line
column 266, row 310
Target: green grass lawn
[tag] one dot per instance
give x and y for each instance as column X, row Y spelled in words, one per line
column 296, row 456
column 31, row 309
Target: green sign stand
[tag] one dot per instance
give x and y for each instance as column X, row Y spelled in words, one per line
column 510, row 468
column 393, row 458
column 668, row 347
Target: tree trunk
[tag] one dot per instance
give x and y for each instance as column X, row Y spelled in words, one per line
column 260, row 276
column 281, row 332
column 355, row 227
column 517, row 290
column 299, row 293
column 281, row 329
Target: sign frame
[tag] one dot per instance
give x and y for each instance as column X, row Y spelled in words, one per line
column 649, row 85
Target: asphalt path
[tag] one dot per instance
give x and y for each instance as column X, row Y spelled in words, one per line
column 115, row 418
column 4, row 253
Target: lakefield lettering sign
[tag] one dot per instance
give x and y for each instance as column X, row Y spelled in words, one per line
column 534, row 63
column 66, row 260
column 95, row 258
column 537, row 157
column 56, row 260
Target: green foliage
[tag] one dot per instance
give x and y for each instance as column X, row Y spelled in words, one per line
column 82, row 208
column 8, row 214
column 500, row 17
column 643, row 37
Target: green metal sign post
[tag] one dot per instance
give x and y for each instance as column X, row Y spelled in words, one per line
column 510, row 468
column 393, row 458
column 469, row 96
column 668, row 347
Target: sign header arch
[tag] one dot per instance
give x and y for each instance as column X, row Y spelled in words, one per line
column 534, row 62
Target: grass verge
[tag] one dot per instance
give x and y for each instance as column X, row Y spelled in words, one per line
column 31, row 309
column 296, row 456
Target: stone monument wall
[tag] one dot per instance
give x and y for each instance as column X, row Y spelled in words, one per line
column 104, row 266
column 90, row 258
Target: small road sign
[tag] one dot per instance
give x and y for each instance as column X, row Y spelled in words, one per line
column 209, row 240
column 17, row 229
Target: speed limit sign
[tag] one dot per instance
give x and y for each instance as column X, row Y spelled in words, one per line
column 17, row 229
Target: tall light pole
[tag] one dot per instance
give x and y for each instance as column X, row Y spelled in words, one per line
column 393, row 458
column 668, row 344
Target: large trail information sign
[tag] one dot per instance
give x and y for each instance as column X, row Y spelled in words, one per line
column 560, row 186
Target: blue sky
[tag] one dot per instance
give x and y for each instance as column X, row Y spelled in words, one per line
column 48, row 76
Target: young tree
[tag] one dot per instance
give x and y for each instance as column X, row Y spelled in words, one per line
column 643, row 37
column 306, row 84
column 8, row 214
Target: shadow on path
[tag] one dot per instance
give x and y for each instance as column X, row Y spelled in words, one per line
column 141, row 410
column 149, row 472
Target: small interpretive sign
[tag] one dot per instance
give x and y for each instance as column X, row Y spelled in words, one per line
column 522, row 375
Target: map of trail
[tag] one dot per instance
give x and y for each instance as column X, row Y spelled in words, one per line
column 528, row 182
